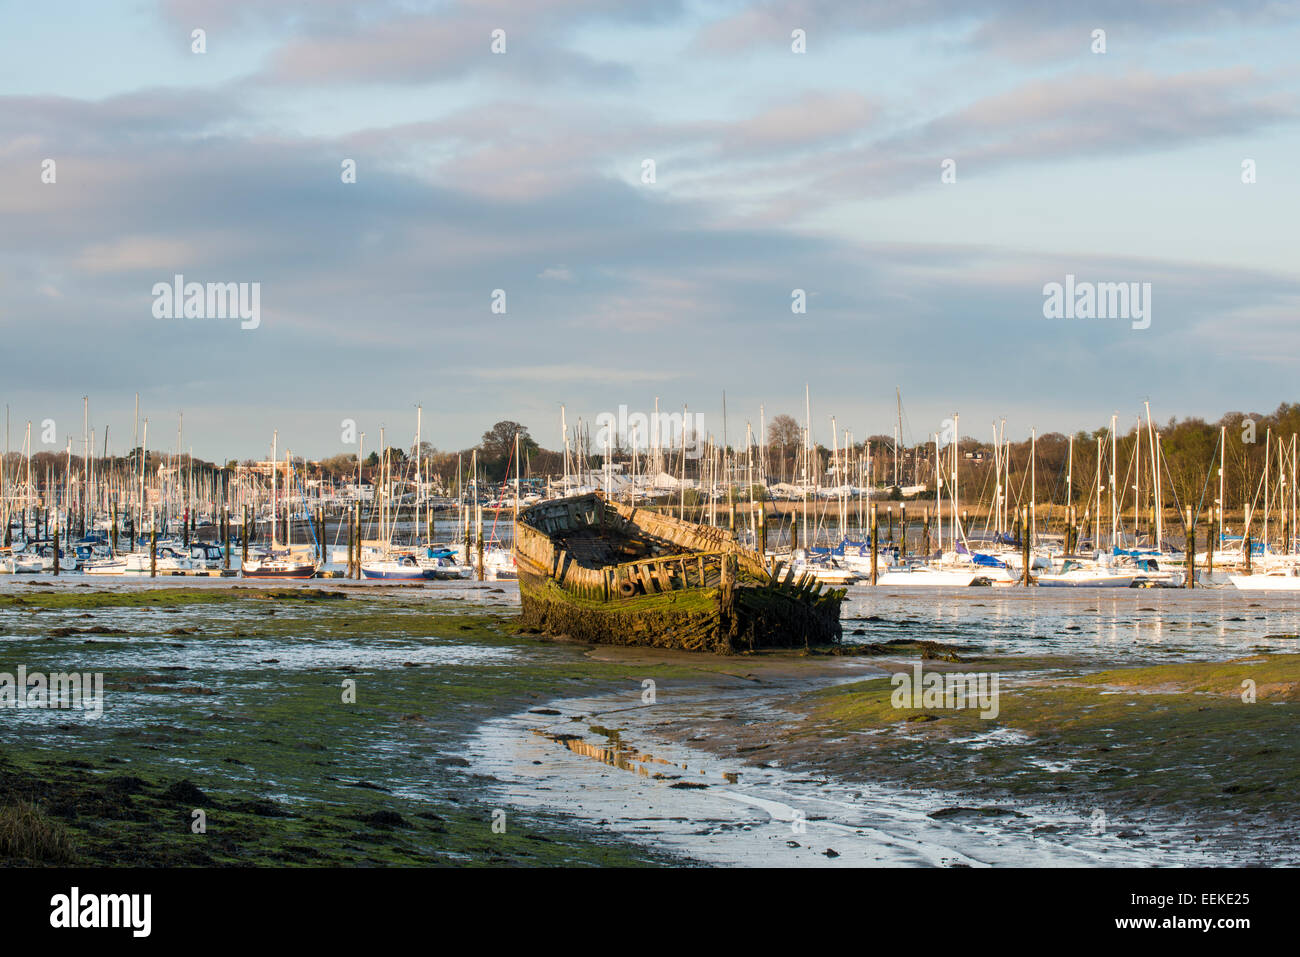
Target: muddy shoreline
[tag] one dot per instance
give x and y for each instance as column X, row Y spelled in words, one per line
column 227, row 701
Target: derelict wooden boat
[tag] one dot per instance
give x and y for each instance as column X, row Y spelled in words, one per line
column 602, row 571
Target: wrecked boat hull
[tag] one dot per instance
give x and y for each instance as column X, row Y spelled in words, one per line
column 604, row 572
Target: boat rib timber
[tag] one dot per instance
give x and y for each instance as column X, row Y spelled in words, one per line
column 601, row 571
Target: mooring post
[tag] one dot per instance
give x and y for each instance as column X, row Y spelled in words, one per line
column 112, row 548
column 925, row 530
column 1190, row 523
column 1209, row 547
column 891, row 524
column 225, row 537
column 1024, row 542
column 153, row 551
column 1245, row 542
column 762, row 533
column 875, row 543
column 56, row 548
column 356, row 566
column 243, row 541
column 794, row 533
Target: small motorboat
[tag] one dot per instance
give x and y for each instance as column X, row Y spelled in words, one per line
column 1277, row 579
column 1075, row 575
column 275, row 565
column 927, row 575
column 499, row 565
column 401, row 568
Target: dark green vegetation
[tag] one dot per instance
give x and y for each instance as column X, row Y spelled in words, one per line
column 27, row 834
column 240, row 715
column 40, row 595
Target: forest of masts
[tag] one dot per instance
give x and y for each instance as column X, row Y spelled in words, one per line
column 1135, row 474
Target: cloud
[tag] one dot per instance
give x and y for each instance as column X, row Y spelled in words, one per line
column 1071, row 118
column 332, row 42
column 528, row 181
column 563, row 374
column 1015, row 29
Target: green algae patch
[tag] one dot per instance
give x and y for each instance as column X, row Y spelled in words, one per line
column 284, row 770
column 147, row 819
column 1174, row 743
column 1268, row 677
column 163, row 596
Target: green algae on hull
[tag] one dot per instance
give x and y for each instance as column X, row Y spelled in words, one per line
column 600, row 571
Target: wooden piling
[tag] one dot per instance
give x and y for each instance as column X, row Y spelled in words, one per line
column 243, row 541
column 1190, row 524
column 1024, row 543
column 56, row 550
column 347, row 571
column 902, row 531
column 875, row 544
column 1209, row 547
column 225, row 536
column 153, row 552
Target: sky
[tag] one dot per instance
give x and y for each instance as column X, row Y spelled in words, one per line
column 916, row 172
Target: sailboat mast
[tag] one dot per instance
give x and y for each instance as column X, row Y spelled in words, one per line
column 1033, row 487
column 1114, row 501
column 275, row 465
column 1223, row 448
column 419, row 411
column 1069, row 485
